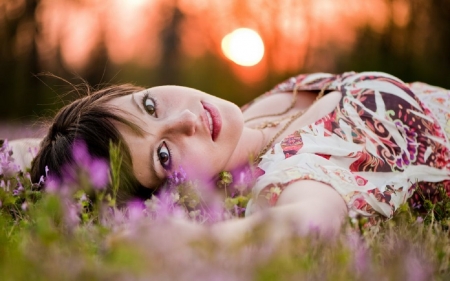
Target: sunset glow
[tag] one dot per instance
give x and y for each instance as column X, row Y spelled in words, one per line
column 290, row 36
column 243, row 46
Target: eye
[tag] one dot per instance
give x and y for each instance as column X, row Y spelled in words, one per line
column 149, row 105
column 164, row 156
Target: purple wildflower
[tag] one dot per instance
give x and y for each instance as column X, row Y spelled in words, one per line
column 417, row 269
column 33, row 151
column 18, row 190
column 80, row 154
column 214, row 212
column 361, row 256
column 52, row 185
column 41, row 180
column 7, row 165
column 97, row 169
column 361, row 259
column 27, row 175
column 83, row 198
column 165, row 205
column 136, row 210
column 238, row 210
column 416, row 205
column 176, row 178
column 99, row 173
column 71, row 214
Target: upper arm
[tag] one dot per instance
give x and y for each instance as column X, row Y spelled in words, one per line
column 304, row 206
column 308, row 190
column 313, row 204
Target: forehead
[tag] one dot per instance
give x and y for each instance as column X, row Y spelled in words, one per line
column 161, row 91
column 169, row 90
column 127, row 107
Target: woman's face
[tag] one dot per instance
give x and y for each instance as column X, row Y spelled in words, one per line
column 183, row 128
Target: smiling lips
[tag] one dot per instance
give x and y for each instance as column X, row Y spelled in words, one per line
column 214, row 120
column 210, row 121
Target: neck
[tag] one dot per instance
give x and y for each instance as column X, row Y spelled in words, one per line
column 248, row 147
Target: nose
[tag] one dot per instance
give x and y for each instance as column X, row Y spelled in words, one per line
column 181, row 123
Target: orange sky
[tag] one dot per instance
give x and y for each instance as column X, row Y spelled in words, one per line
column 129, row 28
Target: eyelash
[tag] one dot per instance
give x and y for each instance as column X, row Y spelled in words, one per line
column 155, row 102
column 166, row 167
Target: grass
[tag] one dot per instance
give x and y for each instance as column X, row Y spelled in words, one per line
column 63, row 235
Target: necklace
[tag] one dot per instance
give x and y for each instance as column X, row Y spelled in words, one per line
column 271, row 124
column 292, row 118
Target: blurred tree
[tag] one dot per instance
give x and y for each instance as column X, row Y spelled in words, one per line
column 440, row 18
column 169, row 65
column 19, row 33
column 299, row 36
column 414, row 49
column 23, row 89
column 97, row 71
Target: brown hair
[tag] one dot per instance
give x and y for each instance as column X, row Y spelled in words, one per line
column 90, row 120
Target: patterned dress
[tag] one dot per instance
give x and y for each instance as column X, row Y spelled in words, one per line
column 385, row 143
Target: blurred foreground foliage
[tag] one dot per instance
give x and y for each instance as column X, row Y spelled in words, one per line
column 64, row 234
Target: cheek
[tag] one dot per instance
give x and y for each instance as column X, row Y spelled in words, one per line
column 199, row 166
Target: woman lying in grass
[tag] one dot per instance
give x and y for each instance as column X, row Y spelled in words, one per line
column 324, row 146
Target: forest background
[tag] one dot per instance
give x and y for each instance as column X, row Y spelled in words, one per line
column 157, row 42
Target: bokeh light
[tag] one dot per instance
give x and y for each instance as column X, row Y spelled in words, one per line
column 243, row 46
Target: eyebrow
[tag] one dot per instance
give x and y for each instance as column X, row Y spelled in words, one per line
column 152, row 158
column 135, row 103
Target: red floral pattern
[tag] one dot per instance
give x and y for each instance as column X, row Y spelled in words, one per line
column 382, row 144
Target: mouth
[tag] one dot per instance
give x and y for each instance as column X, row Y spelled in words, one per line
column 213, row 119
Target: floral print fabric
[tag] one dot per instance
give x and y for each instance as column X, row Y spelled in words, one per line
column 385, row 143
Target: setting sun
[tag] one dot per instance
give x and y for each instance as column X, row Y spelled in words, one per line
column 243, row 46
